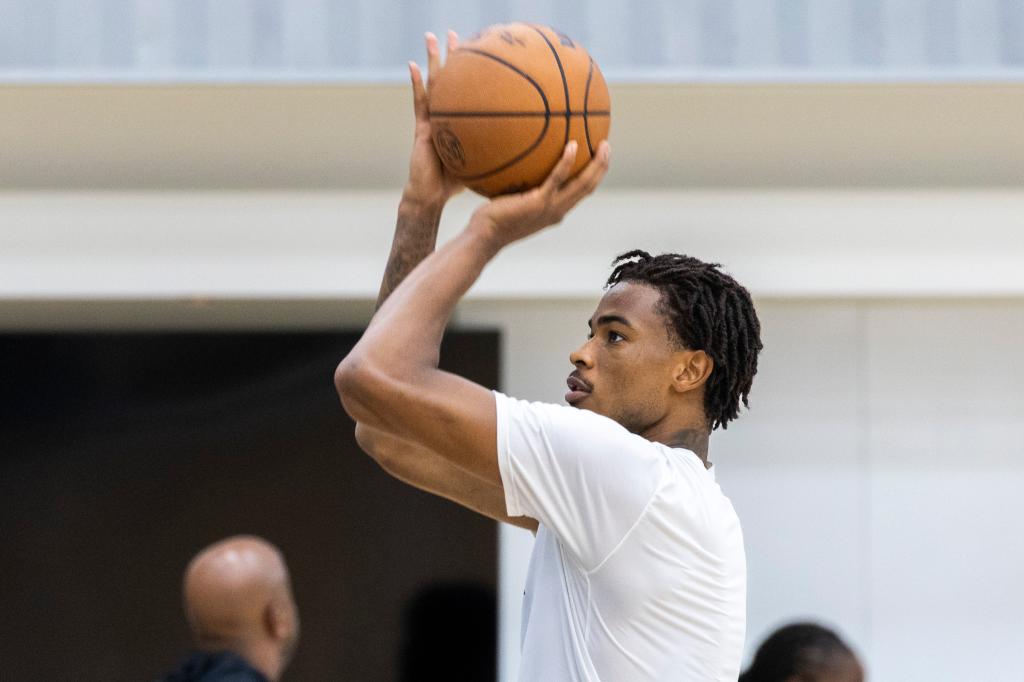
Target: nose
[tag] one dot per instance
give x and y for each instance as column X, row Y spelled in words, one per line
column 582, row 357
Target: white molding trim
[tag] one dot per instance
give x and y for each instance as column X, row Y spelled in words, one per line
column 302, row 245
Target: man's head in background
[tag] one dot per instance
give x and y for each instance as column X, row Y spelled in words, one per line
column 804, row 652
column 238, row 599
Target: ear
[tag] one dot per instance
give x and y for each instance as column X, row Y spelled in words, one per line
column 691, row 370
column 277, row 620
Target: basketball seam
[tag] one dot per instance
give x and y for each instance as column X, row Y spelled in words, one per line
column 586, row 102
column 511, row 114
column 535, row 84
column 565, row 83
column 547, row 116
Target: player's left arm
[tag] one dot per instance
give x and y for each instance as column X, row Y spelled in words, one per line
column 390, row 381
column 432, row 473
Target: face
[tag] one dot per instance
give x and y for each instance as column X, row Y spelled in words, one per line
column 627, row 368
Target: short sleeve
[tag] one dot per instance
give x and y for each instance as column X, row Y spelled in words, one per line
column 583, row 476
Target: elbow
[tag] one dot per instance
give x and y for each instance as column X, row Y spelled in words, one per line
column 348, row 376
column 369, row 390
column 357, row 385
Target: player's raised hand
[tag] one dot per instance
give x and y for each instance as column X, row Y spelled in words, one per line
column 515, row 216
column 429, row 183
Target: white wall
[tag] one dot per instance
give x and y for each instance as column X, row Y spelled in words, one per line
column 946, row 517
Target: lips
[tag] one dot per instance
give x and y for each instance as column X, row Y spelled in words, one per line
column 579, row 388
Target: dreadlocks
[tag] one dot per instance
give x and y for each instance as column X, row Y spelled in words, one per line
column 707, row 310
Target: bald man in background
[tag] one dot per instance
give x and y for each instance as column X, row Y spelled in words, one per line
column 239, row 604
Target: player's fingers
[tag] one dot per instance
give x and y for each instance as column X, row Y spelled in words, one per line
column 433, row 55
column 589, row 178
column 419, row 93
column 453, row 44
column 560, row 173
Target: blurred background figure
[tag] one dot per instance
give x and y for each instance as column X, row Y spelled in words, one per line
column 238, row 601
column 804, row 652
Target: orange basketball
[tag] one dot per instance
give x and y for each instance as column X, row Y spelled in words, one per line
column 506, row 103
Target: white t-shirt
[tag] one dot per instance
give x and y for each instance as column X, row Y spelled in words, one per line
column 638, row 571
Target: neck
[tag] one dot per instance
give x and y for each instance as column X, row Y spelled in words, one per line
column 263, row 656
column 266, row 658
column 691, row 438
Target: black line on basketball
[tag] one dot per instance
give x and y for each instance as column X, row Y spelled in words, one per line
column 511, row 114
column 535, row 84
column 543, row 132
column 517, row 159
column 565, row 83
column 586, row 100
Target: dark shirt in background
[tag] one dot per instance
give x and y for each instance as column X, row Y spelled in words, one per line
column 219, row 666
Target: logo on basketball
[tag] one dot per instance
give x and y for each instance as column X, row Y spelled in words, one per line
column 511, row 38
column 449, row 149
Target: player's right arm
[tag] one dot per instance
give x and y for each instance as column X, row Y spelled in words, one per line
column 419, row 214
column 428, row 188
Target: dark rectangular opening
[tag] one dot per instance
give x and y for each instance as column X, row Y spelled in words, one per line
column 123, row 454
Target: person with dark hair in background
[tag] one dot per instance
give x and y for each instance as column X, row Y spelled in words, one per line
column 638, row 570
column 804, row 652
column 239, row 605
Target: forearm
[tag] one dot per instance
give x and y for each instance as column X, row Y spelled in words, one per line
column 404, row 336
column 415, row 237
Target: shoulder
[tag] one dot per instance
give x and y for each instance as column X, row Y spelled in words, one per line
column 542, row 414
column 570, row 432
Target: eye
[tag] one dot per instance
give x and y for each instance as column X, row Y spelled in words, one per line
column 615, row 337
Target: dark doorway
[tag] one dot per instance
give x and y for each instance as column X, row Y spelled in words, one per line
column 123, row 454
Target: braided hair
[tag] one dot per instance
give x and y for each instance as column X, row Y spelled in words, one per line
column 802, row 649
column 707, row 310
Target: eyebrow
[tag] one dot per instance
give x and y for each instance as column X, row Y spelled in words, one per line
column 609, row 319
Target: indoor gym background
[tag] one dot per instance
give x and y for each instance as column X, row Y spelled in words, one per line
column 219, row 166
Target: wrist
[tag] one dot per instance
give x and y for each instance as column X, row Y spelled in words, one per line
column 486, row 234
column 418, row 200
column 415, row 217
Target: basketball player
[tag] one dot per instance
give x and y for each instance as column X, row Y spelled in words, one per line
column 239, row 604
column 638, row 570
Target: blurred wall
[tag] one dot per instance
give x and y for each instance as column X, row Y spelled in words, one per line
column 708, row 135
